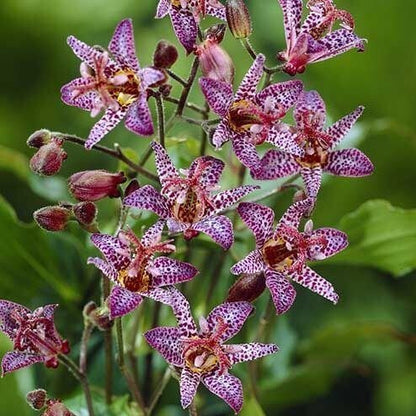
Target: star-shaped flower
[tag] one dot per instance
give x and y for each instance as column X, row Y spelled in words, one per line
column 308, row 148
column 282, row 254
column 187, row 202
column 35, row 338
column 202, row 353
column 114, row 84
column 249, row 118
column 185, row 16
column 314, row 40
column 131, row 264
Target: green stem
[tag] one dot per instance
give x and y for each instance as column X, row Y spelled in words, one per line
column 186, row 90
column 176, row 77
column 159, row 390
column 160, row 119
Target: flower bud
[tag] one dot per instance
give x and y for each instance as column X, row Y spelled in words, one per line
column 131, row 187
column 85, row 212
column 247, row 288
column 238, row 18
column 165, row 54
column 57, row 408
column 48, row 159
column 39, row 138
column 36, row 398
column 92, row 185
column 99, row 317
column 53, row 218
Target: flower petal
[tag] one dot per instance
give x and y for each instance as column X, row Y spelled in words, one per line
column 275, row 164
column 311, row 280
column 166, row 271
column 15, row 360
column 148, row 198
column 310, row 105
column 218, row 94
column 108, row 121
column 163, row 8
column 219, row 228
column 139, row 119
column 166, row 340
column 295, row 212
column 83, row 101
column 165, row 168
column 349, row 163
column 248, row 86
column 122, row 46
column 222, row 134
column 150, row 76
column 238, row 353
column 8, row 324
column 312, row 177
column 283, row 293
column 121, row 301
column 292, row 14
column 211, row 173
column 227, row 387
column 230, row 197
column 153, row 234
column 259, row 219
column 182, row 312
column 185, row 27
column 106, row 268
column 336, row 242
column 216, row 10
column 281, row 136
column 115, row 251
column 284, row 93
column 188, row 386
column 252, row 263
column 246, row 152
column 166, row 295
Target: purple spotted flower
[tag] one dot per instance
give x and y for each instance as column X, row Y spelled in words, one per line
column 282, row 253
column 35, row 338
column 131, row 264
column 249, row 118
column 308, row 148
column 185, row 16
column 202, row 353
column 315, row 40
column 187, row 202
column 114, row 84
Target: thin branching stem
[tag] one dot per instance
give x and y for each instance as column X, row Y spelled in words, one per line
column 159, row 390
column 187, row 89
column 176, row 77
column 160, row 119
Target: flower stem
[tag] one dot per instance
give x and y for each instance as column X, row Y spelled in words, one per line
column 176, row 77
column 193, row 411
column 108, row 346
column 159, row 390
column 186, row 90
column 86, row 333
column 247, row 46
column 160, row 119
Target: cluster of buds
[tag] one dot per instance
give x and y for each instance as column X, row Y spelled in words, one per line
column 38, row 400
column 98, row 317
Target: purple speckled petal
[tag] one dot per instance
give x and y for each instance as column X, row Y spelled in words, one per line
column 348, row 162
column 312, row 177
column 295, row 212
column 153, row 234
column 252, row 263
column 114, row 250
column 211, row 174
column 166, row 271
column 139, row 118
column 222, row 134
column 246, row 152
column 336, row 242
column 234, row 314
column 311, row 280
column 121, row 301
column 84, row 101
column 281, row 136
column 310, row 104
column 163, row 8
column 313, row 19
column 182, row 312
column 248, row 86
column 275, row 164
column 230, row 197
column 283, row 293
column 150, row 76
column 217, row 10
column 15, row 360
column 106, row 268
column 185, row 27
column 148, row 198
column 259, row 219
column 188, row 386
column 227, row 387
column 176, row 226
column 166, row 340
column 218, row 94
column 8, row 324
column 109, row 120
column 165, row 168
column 292, row 14
column 340, row 129
column 238, row 353
column 219, row 228
column 48, row 311
column 122, row 46
column 284, row 93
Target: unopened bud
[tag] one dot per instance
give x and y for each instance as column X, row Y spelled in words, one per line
column 92, row 185
column 39, row 138
column 247, row 288
column 132, row 187
column 238, row 18
column 216, row 33
column 36, row 398
column 99, row 317
column 57, row 408
column 165, row 90
column 85, row 212
column 53, row 218
column 48, row 159
column 165, row 55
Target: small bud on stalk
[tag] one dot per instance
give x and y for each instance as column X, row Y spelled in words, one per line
column 165, row 55
column 48, row 159
column 238, row 19
column 36, row 398
column 99, row 317
column 39, row 138
column 247, row 288
column 92, row 185
column 85, row 212
column 53, row 218
column 57, row 408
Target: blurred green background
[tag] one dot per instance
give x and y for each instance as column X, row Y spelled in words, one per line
column 357, row 358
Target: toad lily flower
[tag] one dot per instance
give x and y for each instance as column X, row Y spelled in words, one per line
column 282, row 254
column 187, row 203
column 202, row 353
column 314, row 40
column 185, row 16
column 308, row 148
column 118, row 86
column 35, row 338
column 249, row 118
column 130, row 264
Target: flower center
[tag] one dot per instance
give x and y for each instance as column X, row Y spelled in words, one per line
column 135, row 279
column 200, row 358
column 278, row 254
column 244, row 114
column 191, row 209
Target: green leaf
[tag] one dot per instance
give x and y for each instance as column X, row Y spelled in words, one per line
column 15, row 162
column 251, row 407
column 380, row 236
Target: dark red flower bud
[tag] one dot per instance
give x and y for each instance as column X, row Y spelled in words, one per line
column 48, row 159
column 53, row 218
column 39, row 138
column 131, row 187
column 92, row 185
column 36, row 398
column 165, row 55
column 99, row 317
column 57, row 408
column 85, row 212
column 238, row 18
column 216, row 33
column 165, row 89
column 247, row 288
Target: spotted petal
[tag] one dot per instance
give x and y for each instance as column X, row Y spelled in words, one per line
column 139, row 118
column 349, row 163
column 292, row 14
column 154, row 234
column 166, row 340
column 150, row 76
column 310, row 103
column 248, row 86
column 106, row 268
column 163, row 8
column 336, row 242
column 227, row 387
column 185, row 27
column 281, row 136
column 83, row 101
column 283, row 293
column 238, row 353
column 166, row 271
column 182, row 312
column 295, row 212
column 284, row 93
column 211, row 174
column 230, row 197
column 252, row 263
column 148, row 198
column 222, row 134
column 275, row 164
column 312, row 177
column 219, row 228
column 246, row 152
column 15, row 360
column 188, row 386
column 218, row 94
column 114, row 250
column 216, row 10
column 8, row 324
column 121, row 301
column 165, row 168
